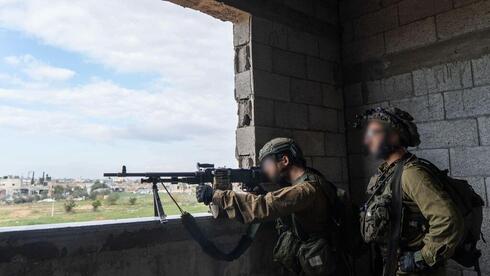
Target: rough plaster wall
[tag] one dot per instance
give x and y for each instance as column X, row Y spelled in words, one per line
column 429, row 57
column 288, row 84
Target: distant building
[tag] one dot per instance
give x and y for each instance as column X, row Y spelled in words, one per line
column 13, row 185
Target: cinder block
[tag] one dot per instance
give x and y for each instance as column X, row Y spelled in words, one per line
column 242, row 58
column 392, row 88
column 263, row 112
column 291, row 115
column 241, row 32
column 288, row 63
column 269, row 33
column 341, row 121
column 332, row 96
column 327, row 11
column 354, row 141
column 440, row 78
column 335, row 144
column 301, row 6
column 448, row 133
column 412, row 10
column 245, row 141
column 423, row 108
column 368, row 48
column 304, row 91
column 243, row 85
column 329, row 48
column 330, row 167
column 311, row 142
column 261, row 56
column 468, row 102
column 463, row 20
column 361, row 166
column 353, row 94
column 377, row 22
column 470, row 161
column 322, row 118
column 244, row 113
column 265, row 134
column 484, row 130
column 270, row 85
column 413, row 35
column 440, row 157
column 321, row 70
column 481, row 70
column 302, row 42
column 460, row 3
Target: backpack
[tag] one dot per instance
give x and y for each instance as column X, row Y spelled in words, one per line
column 470, row 204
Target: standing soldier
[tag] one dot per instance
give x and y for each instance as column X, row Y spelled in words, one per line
column 304, row 208
column 415, row 226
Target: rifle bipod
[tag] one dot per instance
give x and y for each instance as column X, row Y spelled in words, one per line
column 157, row 204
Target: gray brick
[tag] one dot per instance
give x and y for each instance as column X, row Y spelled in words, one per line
column 412, row 10
column 448, row 133
column 243, row 85
column 291, row 115
column 265, row 134
column 311, row 142
column 353, row 94
column 392, row 88
column 413, row 35
column 364, row 49
column 470, row 161
column 245, row 142
column 262, row 57
column 330, row 167
column 361, row 166
column 440, row 157
column 322, row 118
column 423, row 108
column 288, row 63
column 377, row 22
column 332, row 97
column 302, row 42
column 270, row 33
column 270, row 85
column 263, row 113
column 481, row 70
column 320, row 70
column 459, row 3
column 302, row 6
column 354, row 141
column 463, row 20
column 329, row 48
column 484, row 130
column 440, row 78
column 244, row 113
column 335, row 144
column 242, row 58
column 468, row 102
column 241, row 32
column 304, row 91
column 341, row 122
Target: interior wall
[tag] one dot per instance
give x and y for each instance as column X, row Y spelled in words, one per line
column 430, row 58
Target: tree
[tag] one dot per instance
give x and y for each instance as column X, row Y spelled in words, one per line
column 99, row 185
column 112, row 198
column 132, row 200
column 96, row 204
column 79, row 192
column 58, row 192
column 69, row 205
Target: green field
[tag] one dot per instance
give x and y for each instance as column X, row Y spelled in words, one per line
column 41, row 212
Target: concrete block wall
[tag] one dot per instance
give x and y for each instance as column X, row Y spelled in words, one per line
column 432, row 59
column 288, row 84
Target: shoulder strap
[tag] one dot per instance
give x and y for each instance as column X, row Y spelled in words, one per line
column 391, row 265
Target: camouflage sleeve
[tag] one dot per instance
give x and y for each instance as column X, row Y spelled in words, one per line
column 445, row 221
column 250, row 208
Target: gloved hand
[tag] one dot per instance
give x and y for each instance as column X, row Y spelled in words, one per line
column 412, row 262
column 204, row 194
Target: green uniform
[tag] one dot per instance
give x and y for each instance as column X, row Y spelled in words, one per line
column 431, row 221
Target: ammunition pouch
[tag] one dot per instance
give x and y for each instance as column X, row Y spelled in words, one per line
column 317, row 257
column 375, row 219
column 286, row 251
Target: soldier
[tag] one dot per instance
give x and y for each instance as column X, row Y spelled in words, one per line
column 304, row 209
column 419, row 238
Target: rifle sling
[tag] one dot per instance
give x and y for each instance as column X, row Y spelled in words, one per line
column 391, row 265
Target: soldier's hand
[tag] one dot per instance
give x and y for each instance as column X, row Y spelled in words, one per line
column 204, row 194
column 412, row 262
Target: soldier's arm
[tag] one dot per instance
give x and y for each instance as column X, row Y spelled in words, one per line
column 249, row 208
column 445, row 221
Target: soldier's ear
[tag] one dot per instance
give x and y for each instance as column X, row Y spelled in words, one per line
column 285, row 160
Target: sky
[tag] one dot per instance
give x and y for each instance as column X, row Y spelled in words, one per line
column 87, row 86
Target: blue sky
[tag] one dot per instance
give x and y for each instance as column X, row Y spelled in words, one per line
column 86, row 87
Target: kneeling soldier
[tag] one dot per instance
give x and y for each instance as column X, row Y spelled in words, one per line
column 414, row 224
column 304, row 209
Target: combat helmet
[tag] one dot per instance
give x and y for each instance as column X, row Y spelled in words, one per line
column 281, row 145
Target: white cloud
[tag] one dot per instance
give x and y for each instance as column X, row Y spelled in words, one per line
column 38, row 70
